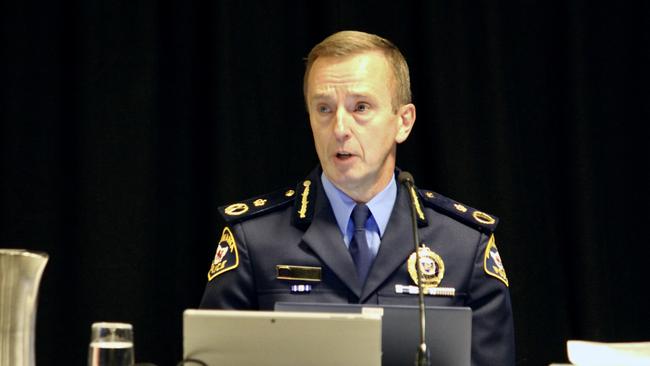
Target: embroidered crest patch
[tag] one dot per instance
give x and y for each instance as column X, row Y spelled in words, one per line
column 492, row 262
column 226, row 256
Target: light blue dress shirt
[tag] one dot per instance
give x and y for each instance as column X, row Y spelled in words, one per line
column 380, row 207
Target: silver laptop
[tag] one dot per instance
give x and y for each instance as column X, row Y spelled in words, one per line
column 448, row 331
column 227, row 337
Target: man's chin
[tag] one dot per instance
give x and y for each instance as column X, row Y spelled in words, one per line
column 346, row 181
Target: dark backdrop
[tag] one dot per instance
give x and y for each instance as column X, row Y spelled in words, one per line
column 125, row 124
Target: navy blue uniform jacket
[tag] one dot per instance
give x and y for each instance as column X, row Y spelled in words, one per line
column 296, row 227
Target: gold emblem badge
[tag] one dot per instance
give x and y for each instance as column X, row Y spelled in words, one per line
column 236, row 209
column 431, row 266
column 289, row 193
column 460, row 207
column 226, row 256
column 492, row 263
column 429, row 194
column 483, row 218
column 259, row 202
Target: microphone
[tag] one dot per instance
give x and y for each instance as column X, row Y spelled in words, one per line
column 405, row 177
column 422, row 355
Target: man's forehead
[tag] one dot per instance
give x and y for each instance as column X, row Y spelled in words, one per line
column 359, row 61
column 356, row 75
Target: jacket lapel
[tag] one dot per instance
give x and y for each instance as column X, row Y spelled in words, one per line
column 396, row 244
column 324, row 238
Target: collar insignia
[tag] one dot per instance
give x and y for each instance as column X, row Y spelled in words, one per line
column 417, row 204
column 305, row 199
column 304, row 203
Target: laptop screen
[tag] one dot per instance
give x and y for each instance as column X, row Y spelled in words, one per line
column 448, row 331
column 227, row 337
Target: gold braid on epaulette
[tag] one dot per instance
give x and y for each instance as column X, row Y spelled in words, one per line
column 479, row 220
column 256, row 206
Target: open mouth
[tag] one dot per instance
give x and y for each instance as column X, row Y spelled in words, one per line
column 343, row 155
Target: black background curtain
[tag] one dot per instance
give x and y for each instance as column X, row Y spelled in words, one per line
column 125, row 124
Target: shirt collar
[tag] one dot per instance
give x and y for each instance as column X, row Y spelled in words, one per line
column 381, row 205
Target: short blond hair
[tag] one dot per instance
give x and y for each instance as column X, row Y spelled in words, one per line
column 347, row 43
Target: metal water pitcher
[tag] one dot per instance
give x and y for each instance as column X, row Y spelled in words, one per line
column 20, row 275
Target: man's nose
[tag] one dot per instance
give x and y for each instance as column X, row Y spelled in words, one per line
column 342, row 127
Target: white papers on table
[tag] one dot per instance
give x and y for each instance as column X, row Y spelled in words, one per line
column 583, row 353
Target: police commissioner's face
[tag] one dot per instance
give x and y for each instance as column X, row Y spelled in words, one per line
column 354, row 124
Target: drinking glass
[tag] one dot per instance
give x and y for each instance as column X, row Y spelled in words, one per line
column 111, row 344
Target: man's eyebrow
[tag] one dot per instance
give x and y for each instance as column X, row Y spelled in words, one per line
column 327, row 96
column 360, row 96
column 320, row 96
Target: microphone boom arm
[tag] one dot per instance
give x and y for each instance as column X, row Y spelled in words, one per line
column 422, row 356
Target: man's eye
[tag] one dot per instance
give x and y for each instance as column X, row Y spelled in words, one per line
column 323, row 109
column 362, row 107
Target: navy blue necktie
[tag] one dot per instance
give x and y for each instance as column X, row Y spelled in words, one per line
column 359, row 248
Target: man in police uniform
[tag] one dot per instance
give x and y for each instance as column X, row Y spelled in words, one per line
column 343, row 234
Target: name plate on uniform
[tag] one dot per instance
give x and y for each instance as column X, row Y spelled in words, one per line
column 298, row 273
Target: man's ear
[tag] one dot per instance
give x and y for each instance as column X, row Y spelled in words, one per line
column 406, row 115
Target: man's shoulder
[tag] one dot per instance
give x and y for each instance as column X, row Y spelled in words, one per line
column 463, row 213
column 257, row 206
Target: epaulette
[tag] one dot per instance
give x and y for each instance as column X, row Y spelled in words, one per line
column 256, row 206
column 465, row 214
